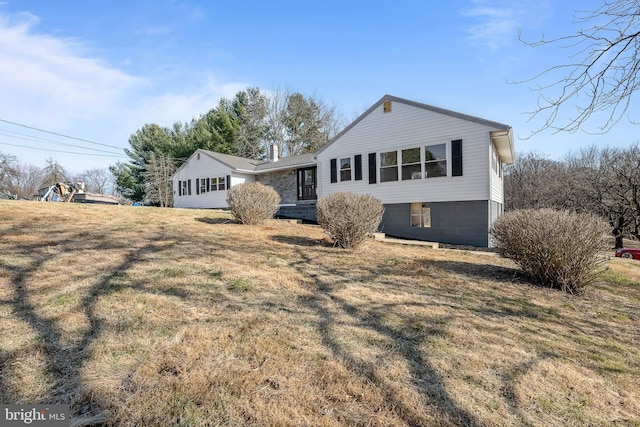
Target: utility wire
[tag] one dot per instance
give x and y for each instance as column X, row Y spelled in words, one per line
column 70, row 137
column 50, row 141
column 58, row 134
column 61, row 151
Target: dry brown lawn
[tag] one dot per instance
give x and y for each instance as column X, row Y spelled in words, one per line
column 145, row 316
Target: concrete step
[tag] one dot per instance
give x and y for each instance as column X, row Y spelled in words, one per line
column 381, row 237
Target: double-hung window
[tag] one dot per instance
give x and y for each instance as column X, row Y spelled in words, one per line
column 389, row 166
column 203, row 185
column 185, row 188
column 435, row 160
column 411, row 168
column 217, row 183
column 345, row 169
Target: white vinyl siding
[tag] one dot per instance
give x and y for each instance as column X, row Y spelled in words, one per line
column 407, row 127
column 202, row 168
column 497, row 186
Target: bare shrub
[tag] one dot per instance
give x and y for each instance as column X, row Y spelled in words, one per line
column 562, row 249
column 252, row 202
column 349, row 218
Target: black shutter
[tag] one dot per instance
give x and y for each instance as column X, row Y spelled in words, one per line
column 197, row 185
column 189, row 186
column 357, row 160
column 179, row 188
column 228, row 182
column 334, row 170
column 456, row 157
column 208, row 184
column 372, row 168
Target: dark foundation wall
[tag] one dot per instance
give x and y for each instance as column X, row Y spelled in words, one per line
column 460, row 223
column 302, row 210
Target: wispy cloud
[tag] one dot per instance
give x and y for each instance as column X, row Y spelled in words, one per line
column 497, row 21
column 58, row 84
column 50, row 78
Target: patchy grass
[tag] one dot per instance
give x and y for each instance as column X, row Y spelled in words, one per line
column 143, row 316
column 240, row 284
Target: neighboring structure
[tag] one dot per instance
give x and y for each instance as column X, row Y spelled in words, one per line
column 438, row 172
column 73, row 192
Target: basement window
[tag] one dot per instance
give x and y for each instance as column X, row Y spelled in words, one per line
column 420, row 215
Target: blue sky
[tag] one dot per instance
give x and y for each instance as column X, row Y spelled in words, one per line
column 99, row 71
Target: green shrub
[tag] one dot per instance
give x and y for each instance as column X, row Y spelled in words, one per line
column 349, row 218
column 252, row 202
column 561, row 249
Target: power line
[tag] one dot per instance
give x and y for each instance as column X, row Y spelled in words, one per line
column 35, row 138
column 48, row 141
column 58, row 134
column 61, row 151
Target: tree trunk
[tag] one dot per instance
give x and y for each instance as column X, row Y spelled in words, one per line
column 617, row 232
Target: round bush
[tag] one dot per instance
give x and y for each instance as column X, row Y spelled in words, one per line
column 562, row 249
column 349, row 218
column 252, row 202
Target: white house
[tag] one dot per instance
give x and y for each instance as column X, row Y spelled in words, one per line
column 438, row 172
column 203, row 180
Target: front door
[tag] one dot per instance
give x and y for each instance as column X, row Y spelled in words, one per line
column 307, row 183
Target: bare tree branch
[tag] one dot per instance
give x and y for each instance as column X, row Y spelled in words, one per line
column 603, row 76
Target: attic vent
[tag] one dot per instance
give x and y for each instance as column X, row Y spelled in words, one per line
column 198, row 156
column 386, row 106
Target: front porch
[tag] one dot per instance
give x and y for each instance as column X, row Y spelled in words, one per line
column 297, row 190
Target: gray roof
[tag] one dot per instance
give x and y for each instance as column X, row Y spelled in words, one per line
column 287, row 162
column 485, row 122
column 234, row 162
column 242, row 164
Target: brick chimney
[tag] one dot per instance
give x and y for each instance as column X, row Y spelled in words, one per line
column 273, row 153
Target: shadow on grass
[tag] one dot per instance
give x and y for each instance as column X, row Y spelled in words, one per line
column 62, row 359
column 302, row 241
column 329, row 307
column 215, row 221
column 481, row 271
